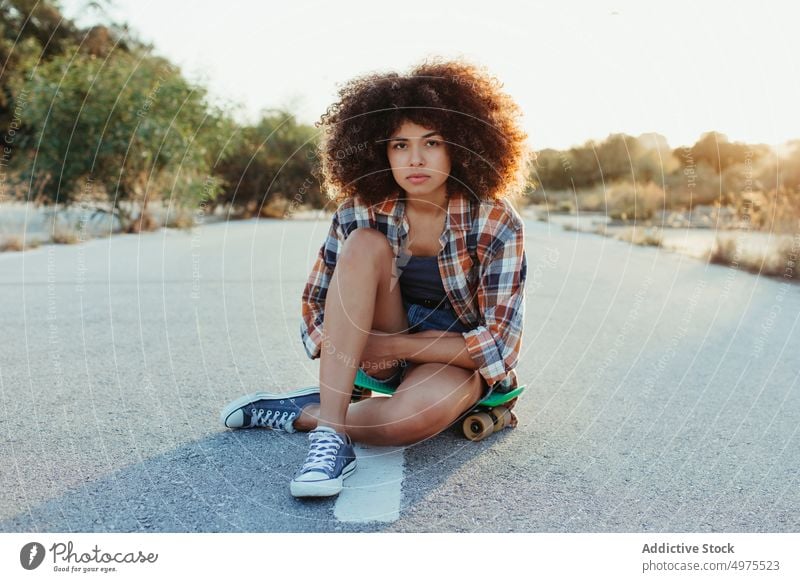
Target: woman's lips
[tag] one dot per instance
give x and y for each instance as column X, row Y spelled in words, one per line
column 417, row 179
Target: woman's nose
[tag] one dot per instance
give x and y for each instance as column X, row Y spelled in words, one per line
column 416, row 155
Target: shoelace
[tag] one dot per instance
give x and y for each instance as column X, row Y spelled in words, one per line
column 322, row 454
column 271, row 418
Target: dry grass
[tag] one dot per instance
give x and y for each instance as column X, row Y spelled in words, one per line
column 17, row 244
column 565, row 206
column 626, row 202
column 182, row 219
column 780, row 261
column 775, row 211
column 648, row 237
column 12, row 244
column 65, row 236
column 145, row 222
column 620, row 200
column 592, row 199
column 276, row 207
column 600, row 229
column 783, row 260
column 591, row 202
column 724, row 252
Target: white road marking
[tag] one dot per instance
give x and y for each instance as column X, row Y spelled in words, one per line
column 373, row 492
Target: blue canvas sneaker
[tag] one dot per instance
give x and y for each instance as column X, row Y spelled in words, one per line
column 331, row 459
column 267, row 410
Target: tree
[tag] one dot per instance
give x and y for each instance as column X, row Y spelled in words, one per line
column 552, row 170
column 790, row 168
column 271, row 162
column 717, row 152
column 130, row 123
column 617, row 155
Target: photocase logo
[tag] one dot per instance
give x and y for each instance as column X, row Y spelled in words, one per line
column 31, row 555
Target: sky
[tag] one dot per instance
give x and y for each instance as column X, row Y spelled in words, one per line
column 578, row 70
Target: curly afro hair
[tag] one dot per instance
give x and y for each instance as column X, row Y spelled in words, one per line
column 462, row 102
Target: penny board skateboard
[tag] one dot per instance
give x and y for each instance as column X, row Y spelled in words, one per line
column 488, row 416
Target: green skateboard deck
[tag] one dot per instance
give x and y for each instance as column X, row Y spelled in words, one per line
column 486, row 417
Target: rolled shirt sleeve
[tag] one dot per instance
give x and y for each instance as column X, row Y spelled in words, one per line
column 495, row 344
column 316, row 290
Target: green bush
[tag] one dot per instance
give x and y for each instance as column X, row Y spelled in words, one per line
column 130, row 125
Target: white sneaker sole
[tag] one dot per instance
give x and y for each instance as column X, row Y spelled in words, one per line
column 245, row 400
column 326, row 488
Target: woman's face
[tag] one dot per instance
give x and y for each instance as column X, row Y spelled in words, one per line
column 419, row 159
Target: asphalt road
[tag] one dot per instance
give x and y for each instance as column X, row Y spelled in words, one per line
column 663, row 393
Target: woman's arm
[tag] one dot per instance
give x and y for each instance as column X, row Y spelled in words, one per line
column 384, row 349
column 446, row 347
column 495, row 344
column 316, row 290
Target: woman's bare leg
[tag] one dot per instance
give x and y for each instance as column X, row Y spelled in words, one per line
column 430, row 398
column 363, row 294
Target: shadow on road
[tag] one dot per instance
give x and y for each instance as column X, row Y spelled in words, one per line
column 229, row 482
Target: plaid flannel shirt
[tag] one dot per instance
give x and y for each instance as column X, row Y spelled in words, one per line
column 482, row 263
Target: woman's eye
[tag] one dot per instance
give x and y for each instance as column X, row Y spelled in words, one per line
column 402, row 145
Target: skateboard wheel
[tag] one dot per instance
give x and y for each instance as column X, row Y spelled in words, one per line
column 478, row 426
column 501, row 417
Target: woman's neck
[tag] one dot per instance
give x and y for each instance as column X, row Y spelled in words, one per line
column 431, row 205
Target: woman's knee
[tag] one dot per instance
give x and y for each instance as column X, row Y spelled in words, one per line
column 365, row 246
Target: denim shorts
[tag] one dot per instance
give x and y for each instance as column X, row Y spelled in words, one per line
column 421, row 318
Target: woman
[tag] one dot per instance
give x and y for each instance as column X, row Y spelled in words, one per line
column 420, row 280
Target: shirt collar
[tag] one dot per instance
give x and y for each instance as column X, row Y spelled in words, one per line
column 459, row 210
